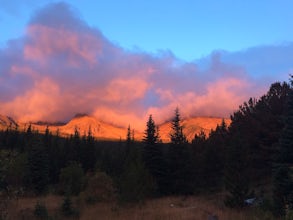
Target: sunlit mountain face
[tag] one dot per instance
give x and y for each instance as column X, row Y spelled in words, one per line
column 62, row 66
column 105, row 131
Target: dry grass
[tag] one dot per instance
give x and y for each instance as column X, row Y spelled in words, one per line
column 170, row 208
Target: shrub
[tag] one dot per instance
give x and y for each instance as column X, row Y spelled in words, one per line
column 99, row 188
column 72, row 179
column 135, row 184
column 67, row 209
column 41, row 211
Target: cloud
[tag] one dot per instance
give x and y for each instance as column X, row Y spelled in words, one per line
column 62, row 66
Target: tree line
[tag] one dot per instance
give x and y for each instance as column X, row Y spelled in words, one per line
column 250, row 158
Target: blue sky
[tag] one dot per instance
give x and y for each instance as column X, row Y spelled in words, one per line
column 189, row 29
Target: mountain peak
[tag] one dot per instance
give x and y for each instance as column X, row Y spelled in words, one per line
column 80, row 115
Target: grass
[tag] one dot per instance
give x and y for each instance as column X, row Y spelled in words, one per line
column 170, row 208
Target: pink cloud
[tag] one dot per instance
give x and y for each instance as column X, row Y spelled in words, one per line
column 125, row 90
column 46, row 42
column 37, row 103
column 62, row 67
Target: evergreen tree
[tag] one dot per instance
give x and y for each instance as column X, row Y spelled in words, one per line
column 74, row 147
column 282, row 179
column 236, row 176
column 88, row 153
column 213, row 157
column 179, row 159
column 150, row 135
column 38, row 163
column 199, row 139
column 153, row 156
column 135, row 183
column 128, row 136
column 177, row 136
column 286, row 139
column 67, row 207
column 282, row 190
column 260, row 123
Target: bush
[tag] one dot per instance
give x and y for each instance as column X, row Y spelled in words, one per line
column 135, row 184
column 99, row 188
column 67, row 208
column 41, row 211
column 72, row 179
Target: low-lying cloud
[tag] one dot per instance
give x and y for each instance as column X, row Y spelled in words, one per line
column 62, row 66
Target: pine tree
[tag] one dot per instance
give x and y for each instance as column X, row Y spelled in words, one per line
column 88, row 156
column 282, row 179
column 179, row 159
column 38, row 162
column 177, row 136
column 135, row 182
column 153, row 156
column 213, row 155
column 236, row 177
column 286, row 139
column 75, row 147
column 282, row 190
column 151, row 136
column 128, row 136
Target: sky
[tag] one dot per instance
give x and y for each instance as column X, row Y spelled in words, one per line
column 123, row 60
column 190, row 29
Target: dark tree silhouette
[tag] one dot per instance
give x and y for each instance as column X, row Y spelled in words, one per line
column 282, row 179
column 153, row 156
column 38, row 166
column 179, row 159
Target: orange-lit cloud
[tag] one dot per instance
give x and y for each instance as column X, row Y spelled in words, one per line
column 62, row 67
column 47, row 42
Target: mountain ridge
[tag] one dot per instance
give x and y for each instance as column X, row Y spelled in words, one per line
column 105, row 131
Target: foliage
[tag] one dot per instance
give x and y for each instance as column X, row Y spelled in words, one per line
column 236, row 176
column 282, row 188
column 67, row 208
column 153, row 158
column 179, row 160
column 136, row 184
column 88, row 152
column 176, row 135
column 38, row 166
column 41, row 211
column 282, row 179
column 72, row 179
column 259, row 123
column 100, row 188
column 129, row 138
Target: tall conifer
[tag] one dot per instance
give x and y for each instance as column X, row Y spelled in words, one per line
column 282, row 180
column 153, row 156
column 38, row 162
column 179, row 159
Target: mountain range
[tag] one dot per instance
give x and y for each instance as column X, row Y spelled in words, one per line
column 105, row 131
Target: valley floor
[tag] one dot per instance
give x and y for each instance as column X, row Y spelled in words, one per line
column 171, row 208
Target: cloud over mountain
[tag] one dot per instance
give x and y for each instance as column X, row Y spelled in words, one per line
column 63, row 66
